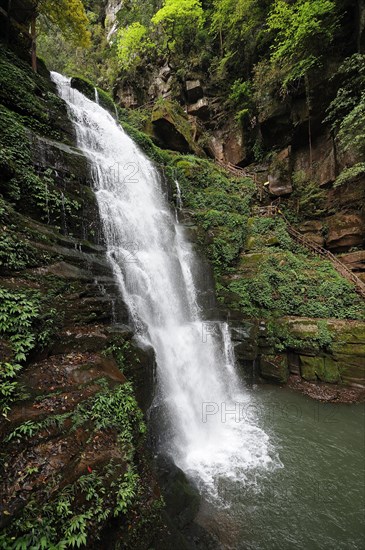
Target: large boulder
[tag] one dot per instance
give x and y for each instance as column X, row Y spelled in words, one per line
column 280, row 174
column 319, row 368
column 274, row 368
column 200, row 109
column 345, row 231
column 234, row 147
column 172, row 127
column 194, row 90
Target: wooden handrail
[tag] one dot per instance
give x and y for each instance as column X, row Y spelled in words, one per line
column 340, row 267
column 235, row 170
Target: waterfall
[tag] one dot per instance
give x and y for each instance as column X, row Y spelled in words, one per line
column 178, row 196
column 96, row 95
column 199, row 395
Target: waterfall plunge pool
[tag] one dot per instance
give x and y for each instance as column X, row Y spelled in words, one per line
column 316, row 501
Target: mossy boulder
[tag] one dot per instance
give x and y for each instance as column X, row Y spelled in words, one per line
column 323, row 368
column 172, row 127
column 351, row 369
column 89, row 90
column 311, row 367
column 274, row 368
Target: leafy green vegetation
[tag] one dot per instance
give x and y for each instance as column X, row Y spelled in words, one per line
column 24, row 326
column 179, row 21
column 19, row 312
column 22, row 185
column 282, row 338
column 97, row 63
column 83, row 507
column 66, row 520
column 302, row 32
column 308, row 200
column 350, row 174
column 69, row 16
column 133, row 42
column 351, row 84
column 221, row 206
column 283, row 283
column 15, row 254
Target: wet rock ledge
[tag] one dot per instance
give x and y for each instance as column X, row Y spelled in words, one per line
column 73, row 383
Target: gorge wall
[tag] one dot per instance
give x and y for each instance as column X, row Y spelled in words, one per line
column 290, row 150
column 74, row 462
column 72, row 424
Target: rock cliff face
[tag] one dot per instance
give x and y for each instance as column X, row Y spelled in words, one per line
column 67, row 354
column 291, row 128
column 73, row 382
column 299, row 176
column 329, row 351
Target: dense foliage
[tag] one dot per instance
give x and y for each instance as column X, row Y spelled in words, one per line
column 69, row 16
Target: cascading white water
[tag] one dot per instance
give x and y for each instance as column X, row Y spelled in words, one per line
column 154, row 266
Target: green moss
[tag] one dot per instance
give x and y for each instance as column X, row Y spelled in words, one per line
column 143, row 141
column 323, row 368
column 16, row 254
column 294, row 284
column 30, row 95
column 331, row 372
column 311, row 368
column 32, row 193
column 220, row 206
column 88, row 89
column 308, row 200
column 274, row 367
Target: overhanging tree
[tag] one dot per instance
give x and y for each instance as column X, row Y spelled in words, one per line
column 177, row 24
column 69, row 16
column 303, row 30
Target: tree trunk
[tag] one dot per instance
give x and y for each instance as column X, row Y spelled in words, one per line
column 307, row 93
column 34, row 44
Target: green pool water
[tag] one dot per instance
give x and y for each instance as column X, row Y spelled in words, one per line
column 316, row 500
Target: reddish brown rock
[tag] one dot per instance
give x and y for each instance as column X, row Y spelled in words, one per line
column 350, row 195
column 234, row 149
column 345, row 231
column 354, row 260
column 312, row 230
